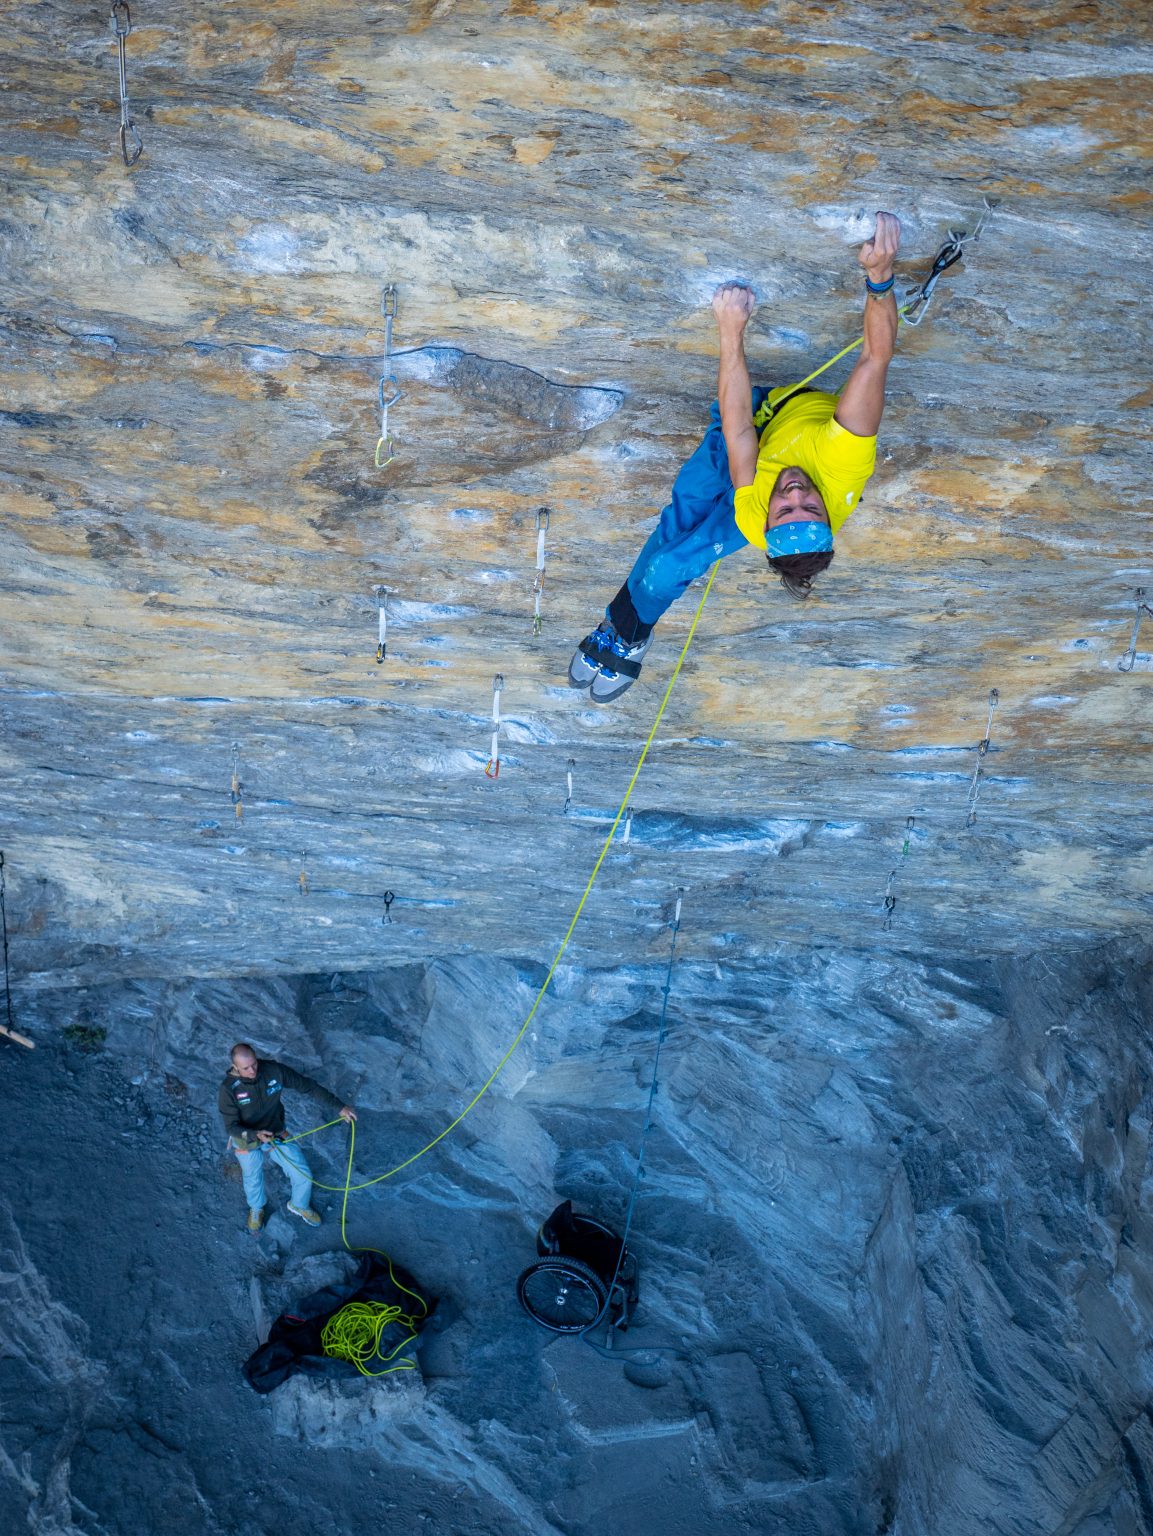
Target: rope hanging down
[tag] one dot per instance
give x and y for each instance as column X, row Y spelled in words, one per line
column 348, row 1188
column 494, row 764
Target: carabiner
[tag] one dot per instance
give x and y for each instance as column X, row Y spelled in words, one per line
column 120, row 18
column 386, row 444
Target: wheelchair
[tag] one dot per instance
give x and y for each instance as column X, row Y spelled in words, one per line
column 568, row 1288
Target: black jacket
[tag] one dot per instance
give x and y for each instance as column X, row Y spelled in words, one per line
column 247, row 1106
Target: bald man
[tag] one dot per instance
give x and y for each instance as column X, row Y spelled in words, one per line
column 252, row 1108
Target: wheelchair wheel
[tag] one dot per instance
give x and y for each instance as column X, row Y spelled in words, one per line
column 562, row 1294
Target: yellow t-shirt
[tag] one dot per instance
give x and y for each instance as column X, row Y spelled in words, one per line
column 805, row 435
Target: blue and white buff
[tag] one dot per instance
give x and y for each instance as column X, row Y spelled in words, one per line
column 799, row 538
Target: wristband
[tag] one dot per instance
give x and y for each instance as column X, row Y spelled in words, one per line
column 879, row 288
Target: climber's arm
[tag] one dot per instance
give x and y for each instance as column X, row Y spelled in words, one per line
column 862, row 401
column 732, row 305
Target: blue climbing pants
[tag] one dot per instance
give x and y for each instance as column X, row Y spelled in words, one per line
column 697, row 527
column 290, row 1158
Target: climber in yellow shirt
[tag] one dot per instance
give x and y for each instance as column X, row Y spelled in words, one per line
column 780, row 469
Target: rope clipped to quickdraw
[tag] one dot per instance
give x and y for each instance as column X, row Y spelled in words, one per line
column 382, row 623
column 492, row 769
column 8, row 1029
column 388, row 391
column 982, row 753
column 1143, row 608
column 639, row 1172
column 120, row 23
column 542, row 522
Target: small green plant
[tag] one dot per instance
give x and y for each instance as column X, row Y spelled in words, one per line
column 89, row 1037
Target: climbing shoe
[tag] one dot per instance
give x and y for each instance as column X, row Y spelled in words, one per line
column 619, row 670
column 309, row 1217
column 585, row 663
column 255, row 1220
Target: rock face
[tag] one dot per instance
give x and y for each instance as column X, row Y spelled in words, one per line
column 193, row 524
column 895, row 1252
column 898, row 1199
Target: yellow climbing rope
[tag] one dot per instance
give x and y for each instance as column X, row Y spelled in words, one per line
column 355, row 1333
column 950, row 252
column 348, row 1187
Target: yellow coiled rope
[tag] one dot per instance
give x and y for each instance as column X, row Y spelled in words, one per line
column 355, row 1332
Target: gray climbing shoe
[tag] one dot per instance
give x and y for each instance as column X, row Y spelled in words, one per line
column 585, row 663
column 619, row 670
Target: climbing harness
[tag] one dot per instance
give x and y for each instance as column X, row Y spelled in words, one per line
column 349, row 1188
column 982, row 753
column 235, row 792
column 302, row 878
column 890, row 903
column 542, row 521
column 131, row 144
column 9, row 1029
column 568, row 776
column 388, row 899
column 388, row 391
column 1143, row 608
column 492, row 770
column 382, row 623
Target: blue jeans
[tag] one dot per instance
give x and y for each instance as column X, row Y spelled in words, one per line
column 290, row 1158
column 697, row 527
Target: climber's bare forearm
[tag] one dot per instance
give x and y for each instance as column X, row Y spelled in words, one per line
column 734, row 395
column 862, row 402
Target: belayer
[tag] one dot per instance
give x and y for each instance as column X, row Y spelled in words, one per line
column 779, row 468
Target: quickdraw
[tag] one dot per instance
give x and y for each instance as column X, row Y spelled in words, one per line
column 236, row 793
column 492, row 769
column 1130, row 658
column 388, row 390
column 982, row 753
column 915, row 304
column 131, row 144
column 542, row 522
column 382, row 624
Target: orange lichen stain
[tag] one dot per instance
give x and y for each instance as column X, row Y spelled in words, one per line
column 920, row 110
column 535, row 148
column 1115, row 110
column 1139, row 402
column 1135, row 199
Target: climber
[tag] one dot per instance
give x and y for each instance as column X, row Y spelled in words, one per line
column 253, row 1113
column 780, row 469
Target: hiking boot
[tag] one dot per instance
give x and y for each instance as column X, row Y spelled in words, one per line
column 255, row 1220
column 585, row 664
column 309, row 1217
column 619, row 670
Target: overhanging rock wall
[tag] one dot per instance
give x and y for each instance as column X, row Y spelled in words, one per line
column 192, row 524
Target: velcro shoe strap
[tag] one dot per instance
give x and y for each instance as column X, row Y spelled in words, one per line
column 601, row 656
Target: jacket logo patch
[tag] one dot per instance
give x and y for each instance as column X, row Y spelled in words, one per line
column 273, row 1086
column 243, row 1098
